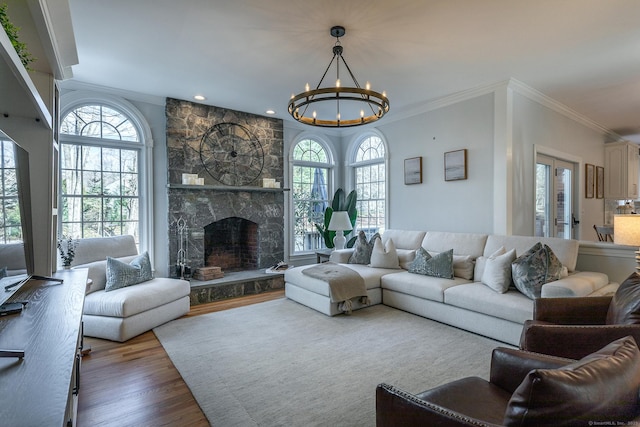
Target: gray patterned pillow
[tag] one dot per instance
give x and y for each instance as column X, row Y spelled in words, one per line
column 534, row 268
column 362, row 249
column 121, row 274
column 440, row 265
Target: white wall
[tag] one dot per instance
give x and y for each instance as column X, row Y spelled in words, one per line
column 437, row 204
column 539, row 126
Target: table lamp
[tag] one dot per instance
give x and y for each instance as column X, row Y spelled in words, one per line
column 626, row 231
column 339, row 223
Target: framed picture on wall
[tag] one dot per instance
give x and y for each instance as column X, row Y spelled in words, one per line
column 590, row 172
column 599, row 182
column 413, row 170
column 455, row 165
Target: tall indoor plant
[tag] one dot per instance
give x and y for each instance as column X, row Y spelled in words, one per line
column 339, row 203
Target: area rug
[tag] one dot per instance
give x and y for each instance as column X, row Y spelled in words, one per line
column 279, row 363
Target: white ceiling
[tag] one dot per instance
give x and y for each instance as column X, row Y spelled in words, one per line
column 251, row 55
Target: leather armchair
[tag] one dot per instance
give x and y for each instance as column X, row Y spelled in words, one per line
column 572, row 327
column 470, row 401
column 527, row 389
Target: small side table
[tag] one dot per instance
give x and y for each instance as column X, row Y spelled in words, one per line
column 322, row 255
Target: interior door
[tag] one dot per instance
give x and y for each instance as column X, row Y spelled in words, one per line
column 555, row 193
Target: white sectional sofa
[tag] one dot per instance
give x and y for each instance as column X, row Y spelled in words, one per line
column 462, row 302
column 123, row 313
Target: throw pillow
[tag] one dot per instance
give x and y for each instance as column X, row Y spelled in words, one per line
column 384, row 256
column 440, row 265
column 121, row 274
column 362, row 249
column 625, row 304
column 478, row 270
column 462, row 265
column 534, row 268
column 497, row 271
column 406, row 257
column 598, row 387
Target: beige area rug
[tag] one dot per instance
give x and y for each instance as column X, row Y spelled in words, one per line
column 279, row 363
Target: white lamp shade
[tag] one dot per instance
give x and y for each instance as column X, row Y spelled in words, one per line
column 340, row 221
column 626, row 230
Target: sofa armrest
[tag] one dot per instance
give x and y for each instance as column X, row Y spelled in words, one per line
column 395, row 407
column 574, row 341
column 509, row 367
column 341, row 256
column 572, row 311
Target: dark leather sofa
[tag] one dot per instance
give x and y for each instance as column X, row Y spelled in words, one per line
column 527, row 389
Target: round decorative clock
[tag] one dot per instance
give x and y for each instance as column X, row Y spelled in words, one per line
column 231, row 154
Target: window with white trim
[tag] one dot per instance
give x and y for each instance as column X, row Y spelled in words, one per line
column 100, row 161
column 310, row 192
column 369, row 170
column 10, row 228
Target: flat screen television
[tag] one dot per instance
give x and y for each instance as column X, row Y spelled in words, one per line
column 16, row 232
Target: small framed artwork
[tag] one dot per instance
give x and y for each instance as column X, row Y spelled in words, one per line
column 599, row 182
column 589, row 182
column 455, row 165
column 413, row 170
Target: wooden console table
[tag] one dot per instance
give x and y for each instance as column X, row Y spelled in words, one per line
column 42, row 388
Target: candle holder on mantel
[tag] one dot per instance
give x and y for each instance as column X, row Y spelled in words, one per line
column 183, row 270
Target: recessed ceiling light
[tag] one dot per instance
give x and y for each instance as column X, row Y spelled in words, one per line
column 270, row 111
column 199, row 98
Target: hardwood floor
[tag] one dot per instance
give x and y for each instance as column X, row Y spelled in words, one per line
column 135, row 383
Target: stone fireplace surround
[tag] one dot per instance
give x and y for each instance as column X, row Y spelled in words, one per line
column 260, row 209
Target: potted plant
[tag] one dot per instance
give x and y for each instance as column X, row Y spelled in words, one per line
column 339, row 203
column 67, row 248
column 12, row 32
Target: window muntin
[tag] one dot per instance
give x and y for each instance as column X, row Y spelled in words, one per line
column 310, row 192
column 10, row 225
column 100, row 173
column 370, row 183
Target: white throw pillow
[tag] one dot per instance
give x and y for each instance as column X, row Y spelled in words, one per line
column 497, row 271
column 481, row 261
column 463, row 265
column 384, row 256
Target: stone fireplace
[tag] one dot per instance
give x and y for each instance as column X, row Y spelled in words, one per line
column 234, row 227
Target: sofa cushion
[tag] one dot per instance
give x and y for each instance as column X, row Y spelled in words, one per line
column 426, row 287
column 600, row 387
column 625, row 304
column 534, row 268
column 98, row 272
column 575, row 285
column 370, row 275
column 497, row 271
column 404, row 239
column 362, row 249
column 384, row 255
column 462, row 243
column 511, row 305
column 121, row 274
column 440, row 265
column 130, row 300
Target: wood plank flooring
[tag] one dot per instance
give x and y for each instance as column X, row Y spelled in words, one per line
column 136, row 384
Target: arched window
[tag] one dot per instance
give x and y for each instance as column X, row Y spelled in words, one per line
column 369, row 170
column 310, row 191
column 101, row 163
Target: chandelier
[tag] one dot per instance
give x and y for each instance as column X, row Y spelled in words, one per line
column 338, row 106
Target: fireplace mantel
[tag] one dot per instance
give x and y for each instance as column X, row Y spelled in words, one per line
column 225, row 188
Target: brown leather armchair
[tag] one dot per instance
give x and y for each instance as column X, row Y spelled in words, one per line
column 527, row 389
column 572, row 327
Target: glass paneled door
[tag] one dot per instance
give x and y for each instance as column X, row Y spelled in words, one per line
column 555, row 191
